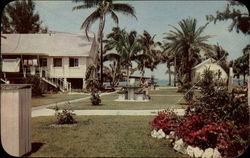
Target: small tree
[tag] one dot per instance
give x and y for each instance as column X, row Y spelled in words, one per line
column 93, row 86
column 66, row 116
column 207, row 82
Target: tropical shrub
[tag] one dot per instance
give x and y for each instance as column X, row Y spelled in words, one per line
column 204, row 132
column 216, row 119
column 66, row 116
column 95, row 98
column 207, row 83
column 219, row 104
column 166, row 120
column 92, row 85
column 189, row 95
column 38, row 86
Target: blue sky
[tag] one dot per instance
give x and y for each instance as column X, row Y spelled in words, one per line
column 153, row 16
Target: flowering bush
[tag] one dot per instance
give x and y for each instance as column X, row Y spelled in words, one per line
column 166, row 120
column 204, row 132
column 216, row 119
column 199, row 130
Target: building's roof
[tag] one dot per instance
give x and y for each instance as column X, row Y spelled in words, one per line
column 208, row 61
column 51, row 44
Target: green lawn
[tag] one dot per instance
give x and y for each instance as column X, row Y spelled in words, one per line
column 160, row 99
column 54, row 98
column 104, row 136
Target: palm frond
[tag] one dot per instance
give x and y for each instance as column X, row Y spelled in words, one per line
column 90, row 3
column 124, row 9
column 90, row 20
column 81, row 7
column 111, row 56
column 114, row 17
column 200, row 30
column 179, row 32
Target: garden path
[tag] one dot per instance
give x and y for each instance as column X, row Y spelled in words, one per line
column 50, row 112
column 64, row 102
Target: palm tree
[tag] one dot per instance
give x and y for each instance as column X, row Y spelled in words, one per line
column 220, row 55
column 186, row 43
column 236, row 70
column 125, row 48
column 149, row 47
column 103, row 8
column 113, row 73
column 241, row 64
column 168, row 58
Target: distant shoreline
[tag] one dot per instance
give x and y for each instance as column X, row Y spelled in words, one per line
column 166, row 82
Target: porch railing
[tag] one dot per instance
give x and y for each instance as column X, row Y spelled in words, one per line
column 56, row 82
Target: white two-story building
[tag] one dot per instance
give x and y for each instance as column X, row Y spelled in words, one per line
column 59, row 58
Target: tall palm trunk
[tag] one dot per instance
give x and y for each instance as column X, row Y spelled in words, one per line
column 188, row 66
column 127, row 75
column 169, row 75
column 142, row 72
column 244, row 78
column 175, row 71
column 100, row 36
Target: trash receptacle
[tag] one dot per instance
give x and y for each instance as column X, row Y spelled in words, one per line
column 16, row 118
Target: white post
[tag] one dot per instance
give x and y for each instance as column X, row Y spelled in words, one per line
column 65, row 84
column 83, row 83
column 230, row 80
column 69, row 84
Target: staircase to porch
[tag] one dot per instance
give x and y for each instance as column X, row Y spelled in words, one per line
column 59, row 83
column 4, row 81
column 43, row 74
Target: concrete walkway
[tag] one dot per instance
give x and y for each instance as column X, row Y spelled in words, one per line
column 162, row 95
column 50, row 112
column 64, row 102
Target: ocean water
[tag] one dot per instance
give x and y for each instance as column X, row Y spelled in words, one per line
column 165, row 82
column 235, row 82
column 159, row 82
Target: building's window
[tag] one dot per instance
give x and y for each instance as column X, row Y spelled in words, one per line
column 43, row 61
column 57, row 62
column 73, row 62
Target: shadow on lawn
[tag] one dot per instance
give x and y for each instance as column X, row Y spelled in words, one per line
column 34, row 148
